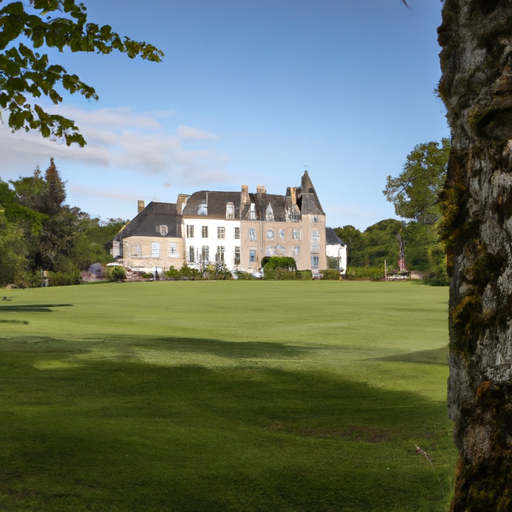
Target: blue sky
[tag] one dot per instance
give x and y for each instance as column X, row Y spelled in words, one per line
column 249, row 92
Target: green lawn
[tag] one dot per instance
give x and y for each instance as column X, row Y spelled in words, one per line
column 224, row 396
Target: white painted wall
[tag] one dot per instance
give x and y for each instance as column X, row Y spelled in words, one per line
column 229, row 242
column 338, row 251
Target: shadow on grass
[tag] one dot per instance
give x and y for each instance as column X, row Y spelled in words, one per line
column 226, row 349
column 46, row 308
column 126, row 435
column 230, row 349
column 435, row 356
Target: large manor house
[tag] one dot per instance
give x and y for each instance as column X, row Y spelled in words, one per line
column 237, row 229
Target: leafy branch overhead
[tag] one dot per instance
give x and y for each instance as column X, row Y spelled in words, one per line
column 26, row 74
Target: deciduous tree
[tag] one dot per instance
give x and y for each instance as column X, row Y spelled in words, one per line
column 26, row 74
column 415, row 192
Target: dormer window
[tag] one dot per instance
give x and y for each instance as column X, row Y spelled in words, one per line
column 202, row 208
column 164, row 230
column 230, row 211
column 252, row 212
column 269, row 214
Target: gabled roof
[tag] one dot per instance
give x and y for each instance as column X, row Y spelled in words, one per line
column 331, row 238
column 146, row 222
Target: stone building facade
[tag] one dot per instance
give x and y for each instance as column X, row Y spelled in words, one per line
column 237, row 229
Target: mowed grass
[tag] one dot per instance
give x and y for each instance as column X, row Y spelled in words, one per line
column 224, row 396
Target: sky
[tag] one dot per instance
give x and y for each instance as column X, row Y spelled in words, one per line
column 250, row 92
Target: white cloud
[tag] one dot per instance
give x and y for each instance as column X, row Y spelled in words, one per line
column 119, row 140
column 191, row 133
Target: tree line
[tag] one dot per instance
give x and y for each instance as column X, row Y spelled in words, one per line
column 415, row 194
column 39, row 232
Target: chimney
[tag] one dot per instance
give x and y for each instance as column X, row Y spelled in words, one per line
column 260, row 189
column 244, row 197
column 140, row 205
column 293, row 195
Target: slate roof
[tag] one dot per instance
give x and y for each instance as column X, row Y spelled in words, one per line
column 213, row 204
column 331, row 238
column 155, row 214
column 310, row 204
column 216, row 204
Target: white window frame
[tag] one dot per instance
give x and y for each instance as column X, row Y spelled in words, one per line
column 173, row 250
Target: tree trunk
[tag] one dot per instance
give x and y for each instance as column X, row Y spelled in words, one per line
column 476, row 60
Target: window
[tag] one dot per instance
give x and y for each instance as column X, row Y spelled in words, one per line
column 252, row 256
column 230, row 211
column 296, row 234
column 281, row 234
column 155, row 250
column 237, row 255
column 173, row 251
column 315, row 236
column 270, row 233
column 191, row 254
column 281, row 251
column 205, row 253
column 269, row 214
column 204, row 231
column 190, row 231
column 237, row 233
column 314, row 262
column 296, row 250
column 203, row 208
column 164, row 230
column 271, row 250
column 314, row 219
column 137, row 250
column 315, row 248
column 221, row 232
column 252, row 212
column 252, row 234
column 219, row 256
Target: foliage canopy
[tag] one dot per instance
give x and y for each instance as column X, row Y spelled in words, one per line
column 415, row 192
column 26, row 74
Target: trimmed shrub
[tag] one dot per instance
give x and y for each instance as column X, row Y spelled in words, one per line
column 439, row 280
column 117, row 273
column 304, row 275
column 172, row 273
column 244, row 276
column 189, row 273
column 331, row 275
column 365, row 273
column 63, row 278
column 283, row 262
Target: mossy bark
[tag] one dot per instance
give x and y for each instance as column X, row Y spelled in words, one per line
column 476, row 86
